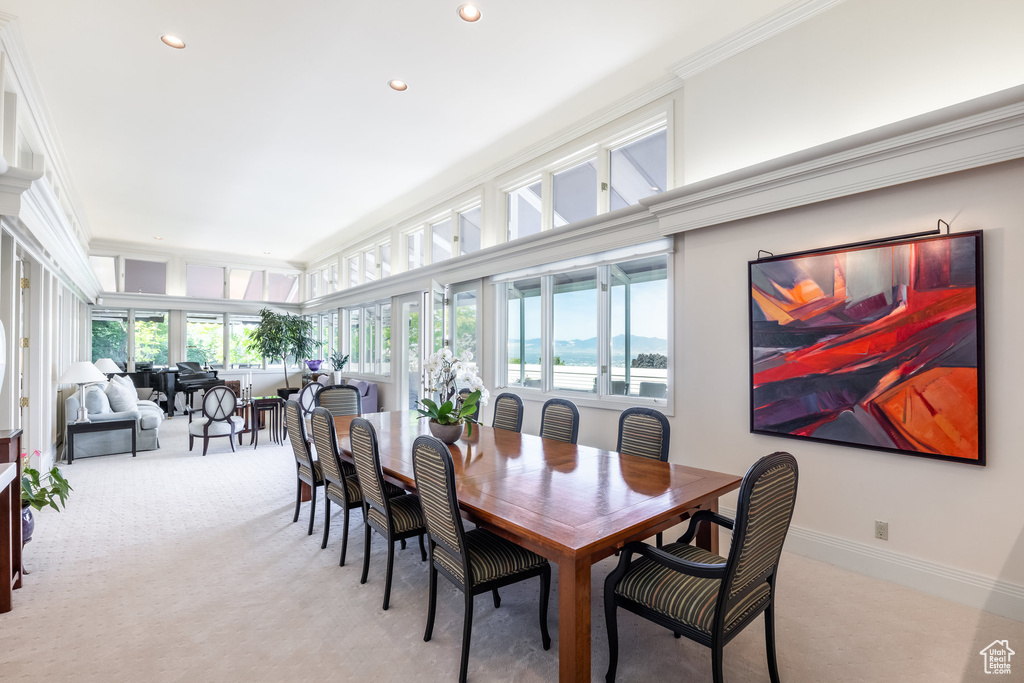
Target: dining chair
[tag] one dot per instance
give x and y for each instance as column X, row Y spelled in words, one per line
column 560, row 420
column 703, row 596
column 341, row 485
column 340, row 399
column 218, row 418
column 307, row 401
column 476, row 561
column 508, row 412
column 644, row 432
column 466, row 392
column 395, row 518
column 308, row 470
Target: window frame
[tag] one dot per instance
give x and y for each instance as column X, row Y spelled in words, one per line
column 602, row 397
column 362, row 369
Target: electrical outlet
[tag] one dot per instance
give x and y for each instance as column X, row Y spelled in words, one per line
column 882, row 530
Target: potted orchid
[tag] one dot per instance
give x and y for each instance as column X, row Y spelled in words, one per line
column 453, row 411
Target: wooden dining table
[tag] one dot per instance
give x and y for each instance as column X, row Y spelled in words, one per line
column 575, row 505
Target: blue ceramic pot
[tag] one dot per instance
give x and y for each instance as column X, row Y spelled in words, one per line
column 28, row 523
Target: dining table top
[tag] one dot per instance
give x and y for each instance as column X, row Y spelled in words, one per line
column 562, row 498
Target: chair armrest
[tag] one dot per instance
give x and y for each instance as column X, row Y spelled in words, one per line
column 108, row 417
column 702, row 516
column 707, row 571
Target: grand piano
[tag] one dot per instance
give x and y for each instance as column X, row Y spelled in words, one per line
column 187, row 378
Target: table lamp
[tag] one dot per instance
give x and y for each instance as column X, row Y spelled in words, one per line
column 81, row 373
column 107, row 366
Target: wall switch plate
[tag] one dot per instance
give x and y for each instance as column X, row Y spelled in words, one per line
column 882, row 530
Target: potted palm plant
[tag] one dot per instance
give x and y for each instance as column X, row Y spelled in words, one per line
column 282, row 335
column 37, row 491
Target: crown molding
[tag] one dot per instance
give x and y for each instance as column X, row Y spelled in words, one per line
column 166, row 302
column 12, row 42
column 747, row 37
column 652, row 92
column 979, row 132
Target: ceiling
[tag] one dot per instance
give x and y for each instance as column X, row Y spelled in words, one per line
column 275, row 130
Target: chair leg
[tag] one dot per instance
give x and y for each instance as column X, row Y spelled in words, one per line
column 366, row 551
column 497, row 598
column 231, row 439
column 387, row 579
column 298, row 502
column 716, row 662
column 612, row 627
column 423, row 550
column 327, row 519
column 545, row 590
column 467, row 631
column 206, row 444
column 431, row 604
column 312, row 506
column 191, row 442
column 403, row 544
column 769, row 638
column 344, row 539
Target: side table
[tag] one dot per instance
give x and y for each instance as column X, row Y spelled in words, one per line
column 272, row 405
column 87, row 427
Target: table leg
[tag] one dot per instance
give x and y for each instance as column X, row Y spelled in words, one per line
column 574, row 620
column 134, row 442
column 307, row 492
column 707, row 533
column 71, row 447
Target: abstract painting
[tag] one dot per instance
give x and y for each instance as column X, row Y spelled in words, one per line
column 876, row 346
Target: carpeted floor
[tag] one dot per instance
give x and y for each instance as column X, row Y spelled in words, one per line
column 176, row 567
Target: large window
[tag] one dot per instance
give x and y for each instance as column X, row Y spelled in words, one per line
column 385, row 259
column 523, row 208
column 469, row 230
column 574, row 325
column 282, row 288
column 414, row 249
column 150, row 338
column 606, row 332
column 370, row 265
column 639, row 328
column 353, row 270
column 206, row 282
column 204, row 339
column 354, row 339
column 524, row 333
column 367, row 339
column 385, row 339
column 245, row 284
column 147, row 277
column 239, row 357
column 638, row 169
column 110, row 335
column 574, row 193
column 441, row 240
column 465, row 324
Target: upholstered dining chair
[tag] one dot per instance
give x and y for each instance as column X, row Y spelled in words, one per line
column 644, row 432
column 466, row 392
column 560, row 420
column 394, row 518
column 508, row 412
column 476, row 561
column 703, row 596
column 340, row 482
column 340, row 399
column 218, row 419
column 308, row 470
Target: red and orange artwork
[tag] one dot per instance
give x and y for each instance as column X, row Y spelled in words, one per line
column 877, row 347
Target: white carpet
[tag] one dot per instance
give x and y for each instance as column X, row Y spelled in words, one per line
column 175, row 567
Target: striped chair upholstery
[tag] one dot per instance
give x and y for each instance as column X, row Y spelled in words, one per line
column 476, row 561
column 307, row 469
column 463, row 393
column 340, row 482
column 340, row 399
column 643, row 432
column 706, row 597
column 560, row 420
column 395, row 518
column 508, row 412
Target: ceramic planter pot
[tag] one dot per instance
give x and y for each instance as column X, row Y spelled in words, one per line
column 28, row 523
column 447, row 433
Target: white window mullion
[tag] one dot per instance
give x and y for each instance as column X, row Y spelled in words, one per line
column 547, row 332
column 604, row 327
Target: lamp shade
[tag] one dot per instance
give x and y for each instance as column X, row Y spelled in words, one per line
column 82, row 372
column 107, row 366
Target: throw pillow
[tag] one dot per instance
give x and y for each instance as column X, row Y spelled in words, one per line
column 121, row 399
column 123, row 381
column 95, row 400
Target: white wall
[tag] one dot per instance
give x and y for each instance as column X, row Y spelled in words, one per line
column 860, row 65
column 956, row 515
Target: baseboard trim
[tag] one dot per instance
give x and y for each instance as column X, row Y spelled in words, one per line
column 999, row 597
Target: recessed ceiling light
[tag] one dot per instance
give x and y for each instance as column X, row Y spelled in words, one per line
column 266, row 252
column 469, row 13
column 173, row 41
column 158, row 238
column 398, row 85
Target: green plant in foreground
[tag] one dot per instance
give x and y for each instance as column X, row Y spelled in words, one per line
column 39, row 490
